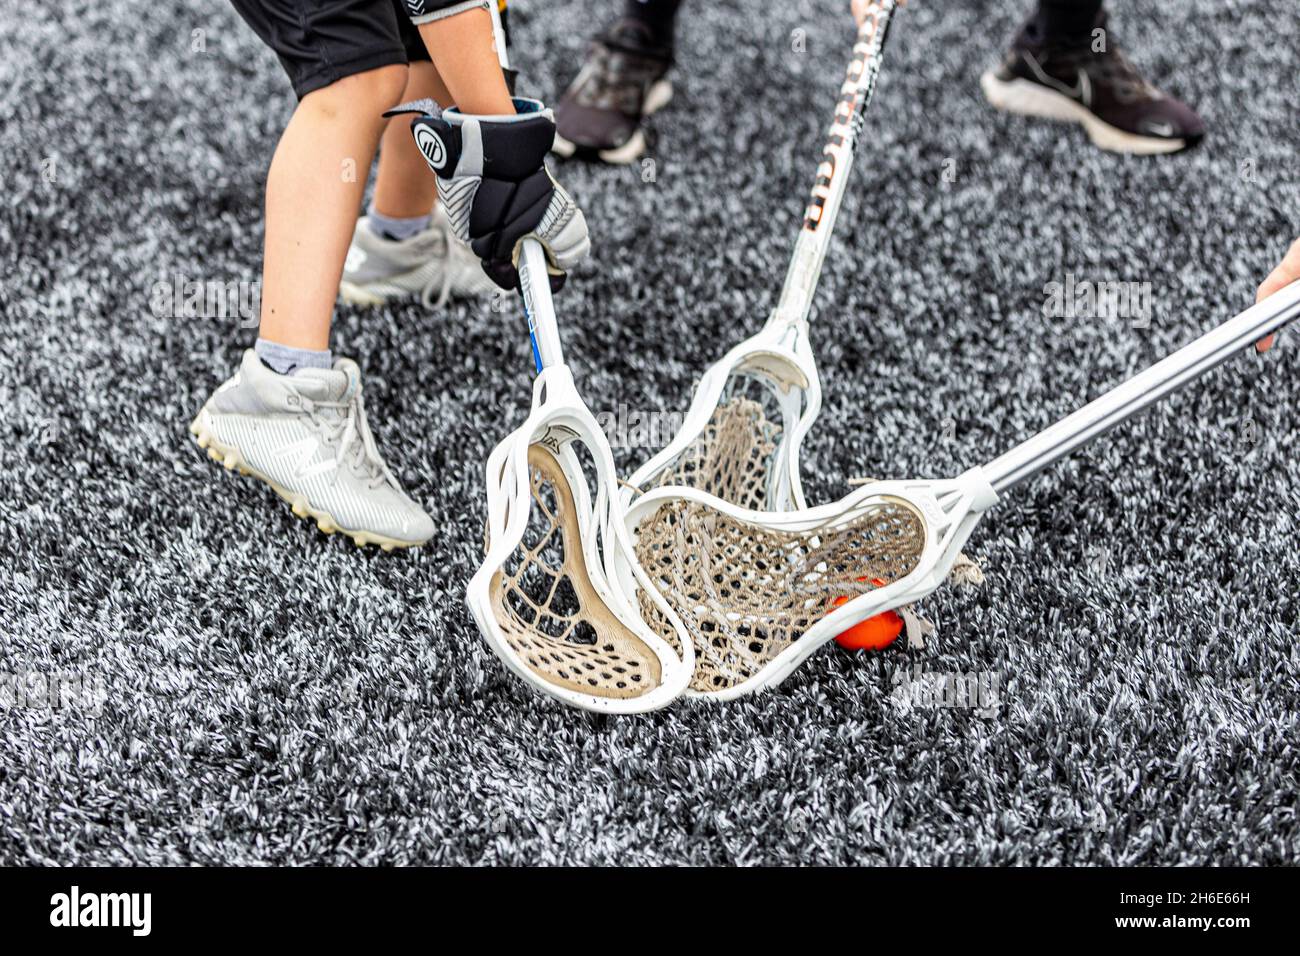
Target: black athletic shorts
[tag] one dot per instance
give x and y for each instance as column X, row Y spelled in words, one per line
column 320, row 42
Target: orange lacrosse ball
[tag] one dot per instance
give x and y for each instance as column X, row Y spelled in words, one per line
column 873, row 634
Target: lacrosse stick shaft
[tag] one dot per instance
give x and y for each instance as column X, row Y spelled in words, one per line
column 535, row 284
column 498, row 34
column 1123, row 402
column 837, row 163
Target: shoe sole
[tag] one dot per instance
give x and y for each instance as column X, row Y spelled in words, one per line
column 660, row 95
column 1030, row 99
column 232, row 460
column 360, row 295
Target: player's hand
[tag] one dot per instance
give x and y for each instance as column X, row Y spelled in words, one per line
column 494, row 186
column 1278, row 279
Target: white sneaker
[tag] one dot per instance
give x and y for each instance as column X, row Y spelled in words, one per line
column 433, row 264
column 306, row 436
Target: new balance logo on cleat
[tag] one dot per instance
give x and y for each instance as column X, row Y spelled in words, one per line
column 303, row 454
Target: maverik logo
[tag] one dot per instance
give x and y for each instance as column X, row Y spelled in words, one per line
column 431, row 145
column 103, row 909
column 848, row 117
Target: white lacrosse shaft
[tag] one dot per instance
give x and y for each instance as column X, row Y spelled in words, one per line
column 814, row 240
column 534, row 278
column 535, row 284
column 1124, row 401
column 498, row 33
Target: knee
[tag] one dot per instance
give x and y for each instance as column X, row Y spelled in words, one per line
column 386, row 85
column 365, row 94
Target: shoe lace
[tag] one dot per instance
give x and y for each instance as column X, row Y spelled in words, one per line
column 348, row 430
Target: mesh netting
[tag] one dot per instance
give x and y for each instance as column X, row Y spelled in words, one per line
column 731, row 458
column 745, row 594
column 549, row 611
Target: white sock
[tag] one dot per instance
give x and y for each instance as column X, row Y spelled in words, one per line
column 392, row 227
column 285, row 360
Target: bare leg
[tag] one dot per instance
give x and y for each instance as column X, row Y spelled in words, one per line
column 313, row 194
column 404, row 187
column 465, row 51
column 464, row 46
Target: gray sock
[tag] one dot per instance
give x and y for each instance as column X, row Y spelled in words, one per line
column 389, row 227
column 286, row 360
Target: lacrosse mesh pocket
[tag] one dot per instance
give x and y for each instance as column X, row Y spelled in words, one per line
column 731, row 458
column 745, row 594
column 549, row 611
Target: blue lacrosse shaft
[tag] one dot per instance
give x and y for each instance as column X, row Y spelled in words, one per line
column 532, row 337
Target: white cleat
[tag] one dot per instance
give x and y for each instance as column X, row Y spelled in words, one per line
column 434, row 266
column 306, row 436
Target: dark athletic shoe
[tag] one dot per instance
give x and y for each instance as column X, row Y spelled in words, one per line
column 1102, row 91
column 623, row 81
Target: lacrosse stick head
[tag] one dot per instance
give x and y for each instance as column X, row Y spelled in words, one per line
column 741, row 437
column 758, row 592
column 541, row 597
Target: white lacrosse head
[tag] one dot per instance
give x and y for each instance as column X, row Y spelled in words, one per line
column 741, row 437
column 542, row 598
column 757, row 591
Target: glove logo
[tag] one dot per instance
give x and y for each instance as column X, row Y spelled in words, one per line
column 431, row 146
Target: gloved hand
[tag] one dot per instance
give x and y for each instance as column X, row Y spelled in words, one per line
column 495, row 188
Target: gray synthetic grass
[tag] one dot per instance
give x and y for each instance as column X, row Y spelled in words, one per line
column 272, row 695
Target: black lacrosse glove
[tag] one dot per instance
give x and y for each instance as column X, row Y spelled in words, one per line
column 494, row 186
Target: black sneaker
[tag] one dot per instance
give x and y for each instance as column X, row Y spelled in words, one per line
column 623, row 81
column 1102, row 91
